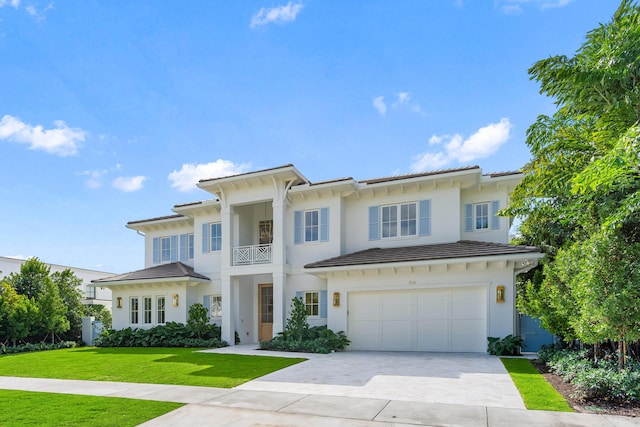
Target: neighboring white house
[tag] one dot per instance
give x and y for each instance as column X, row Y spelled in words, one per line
column 90, row 294
column 411, row 262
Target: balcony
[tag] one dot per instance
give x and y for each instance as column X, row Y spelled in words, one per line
column 253, row 254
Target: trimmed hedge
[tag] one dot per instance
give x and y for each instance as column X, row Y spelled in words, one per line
column 172, row 334
column 41, row 346
column 318, row 339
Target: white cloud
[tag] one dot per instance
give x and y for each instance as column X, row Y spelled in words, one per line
column 277, row 15
column 188, row 176
column 62, row 141
column 14, row 3
column 38, row 14
column 403, row 101
column 485, row 142
column 95, row 178
column 129, row 183
column 379, row 105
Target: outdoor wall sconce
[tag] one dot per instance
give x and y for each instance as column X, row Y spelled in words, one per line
column 175, row 300
column 500, row 294
column 119, row 302
column 336, row 299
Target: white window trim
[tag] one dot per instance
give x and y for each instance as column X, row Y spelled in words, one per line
column 157, row 309
column 145, row 311
column 312, row 304
column 217, row 314
column 398, row 227
column 475, row 217
column 305, row 226
column 131, row 310
column 211, row 237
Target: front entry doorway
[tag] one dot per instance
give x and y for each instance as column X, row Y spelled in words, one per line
column 265, row 312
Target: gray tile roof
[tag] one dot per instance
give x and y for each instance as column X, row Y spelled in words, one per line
column 441, row 251
column 417, row 175
column 176, row 270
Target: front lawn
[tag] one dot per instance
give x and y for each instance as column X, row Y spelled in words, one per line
column 180, row 366
column 536, row 392
column 27, row 408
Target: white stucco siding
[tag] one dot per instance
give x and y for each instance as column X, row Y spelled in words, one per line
column 306, row 252
column 445, row 217
column 488, row 195
column 499, row 316
column 122, row 316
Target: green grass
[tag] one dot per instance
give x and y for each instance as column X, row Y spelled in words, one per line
column 536, row 392
column 180, row 366
column 27, row 408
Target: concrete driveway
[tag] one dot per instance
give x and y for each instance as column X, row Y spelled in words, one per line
column 451, row 378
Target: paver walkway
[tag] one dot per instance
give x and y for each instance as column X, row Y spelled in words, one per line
column 232, row 407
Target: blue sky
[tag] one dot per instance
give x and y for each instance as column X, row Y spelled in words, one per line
column 110, row 111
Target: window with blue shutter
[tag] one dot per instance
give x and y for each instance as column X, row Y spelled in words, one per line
column 374, row 223
column 174, row 248
column 205, row 238
column 324, row 224
column 425, row 217
column 156, row 250
column 323, row 304
column 183, row 247
column 468, row 217
column 495, row 219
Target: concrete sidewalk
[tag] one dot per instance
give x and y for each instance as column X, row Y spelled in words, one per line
column 234, row 407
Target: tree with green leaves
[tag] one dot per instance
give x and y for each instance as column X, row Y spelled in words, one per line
column 580, row 197
column 69, row 290
column 17, row 314
column 52, row 310
column 29, row 281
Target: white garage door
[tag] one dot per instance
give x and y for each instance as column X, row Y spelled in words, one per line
column 453, row 319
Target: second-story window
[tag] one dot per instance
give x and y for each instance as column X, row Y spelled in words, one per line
column 190, row 245
column 311, row 226
column 482, row 216
column 391, row 227
column 400, row 220
column 165, row 249
column 211, row 237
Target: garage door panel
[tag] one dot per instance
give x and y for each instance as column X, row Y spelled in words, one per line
column 398, row 306
column 468, row 335
column 433, row 304
column 398, row 335
column 419, row 320
column 433, row 335
column 468, row 303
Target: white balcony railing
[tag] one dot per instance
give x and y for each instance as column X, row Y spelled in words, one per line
column 252, row 254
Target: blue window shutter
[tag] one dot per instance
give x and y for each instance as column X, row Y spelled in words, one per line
column 425, row 217
column 299, row 296
column 183, row 247
column 156, row 250
column 297, row 227
column 205, row 238
column 174, row 248
column 374, row 223
column 495, row 219
column 468, row 217
column 323, row 304
column 324, row 224
column 206, row 302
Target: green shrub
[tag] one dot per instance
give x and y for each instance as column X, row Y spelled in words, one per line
column 507, row 346
column 594, row 378
column 298, row 336
column 172, row 334
column 41, row 346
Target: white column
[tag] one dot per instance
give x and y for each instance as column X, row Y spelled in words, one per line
column 228, row 310
column 226, row 215
column 278, row 246
column 279, row 282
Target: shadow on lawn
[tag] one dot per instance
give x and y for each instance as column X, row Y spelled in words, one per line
column 232, row 366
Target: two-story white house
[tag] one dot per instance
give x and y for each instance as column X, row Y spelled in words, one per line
column 411, row 262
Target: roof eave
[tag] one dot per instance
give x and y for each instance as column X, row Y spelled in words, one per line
column 532, row 257
column 162, row 280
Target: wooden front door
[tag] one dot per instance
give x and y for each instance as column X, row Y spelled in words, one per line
column 265, row 312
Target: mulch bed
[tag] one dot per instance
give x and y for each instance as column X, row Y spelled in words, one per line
column 595, row 406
